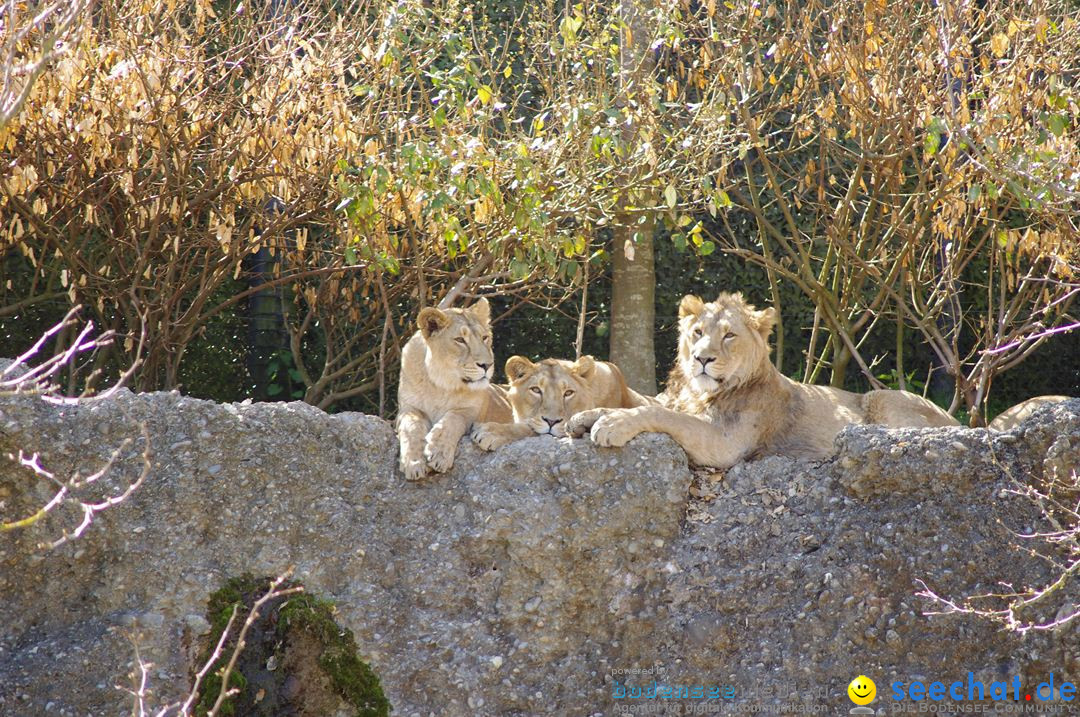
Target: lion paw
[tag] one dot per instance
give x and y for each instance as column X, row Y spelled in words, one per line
column 414, row 470
column 580, row 423
column 614, row 429
column 488, row 438
column 439, row 453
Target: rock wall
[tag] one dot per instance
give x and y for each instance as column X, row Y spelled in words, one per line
column 528, row 581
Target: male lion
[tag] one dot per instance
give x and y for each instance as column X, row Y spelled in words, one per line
column 543, row 395
column 445, row 386
column 726, row 402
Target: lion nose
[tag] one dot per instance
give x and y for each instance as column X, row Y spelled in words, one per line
column 483, row 366
column 705, row 361
column 551, row 421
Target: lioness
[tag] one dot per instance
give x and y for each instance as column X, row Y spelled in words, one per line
column 445, row 386
column 543, row 395
column 1013, row 417
column 725, row 401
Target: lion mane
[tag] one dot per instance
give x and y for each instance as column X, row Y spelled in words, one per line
column 725, row 401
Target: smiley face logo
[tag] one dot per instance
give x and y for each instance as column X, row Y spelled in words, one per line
column 862, row 690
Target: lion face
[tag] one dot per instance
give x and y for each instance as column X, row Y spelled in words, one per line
column 543, row 395
column 722, row 344
column 458, row 345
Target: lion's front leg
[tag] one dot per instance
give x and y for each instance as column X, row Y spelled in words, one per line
column 491, row 436
column 705, row 443
column 616, row 427
column 412, row 427
column 440, row 444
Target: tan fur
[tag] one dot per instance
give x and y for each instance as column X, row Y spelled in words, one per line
column 445, row 386
column 726, row 402
column 543, row 395
column 1013, row 417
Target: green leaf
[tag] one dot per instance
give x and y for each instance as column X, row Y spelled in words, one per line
column 706, row 248
column 294, row 374
column 679, row 240
column 569, row 28
column 382, row 179
column 974, row 192
column 273, row 389
column 390, row 264
column 934, row 132
column 670, row 196
column 1057, row 124
column 350, row 256
column 519, row 268
column 931, row 143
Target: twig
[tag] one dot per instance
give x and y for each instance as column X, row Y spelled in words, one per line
column 66, row 489
column 271, row 594
column 473, row 276
column 185, row 708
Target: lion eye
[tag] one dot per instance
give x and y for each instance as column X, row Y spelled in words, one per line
column 568, row 393
column 536, row 390
column 698, row 333
column 729, row 335
column 487, row 339
column 461, row 340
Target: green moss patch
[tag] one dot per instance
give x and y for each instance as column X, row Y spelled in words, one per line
column 297, row 661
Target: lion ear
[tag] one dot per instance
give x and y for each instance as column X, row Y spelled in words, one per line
column 765, row 320
column 431, row 321
column 518, row 367
column 481, row 310
column 584, row 366
column 691, row 306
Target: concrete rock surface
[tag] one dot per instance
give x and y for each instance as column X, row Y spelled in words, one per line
column 535, row 580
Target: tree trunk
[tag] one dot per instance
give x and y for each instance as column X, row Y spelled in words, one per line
column 633, row 274
column 841, row 357
column 633, row 310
